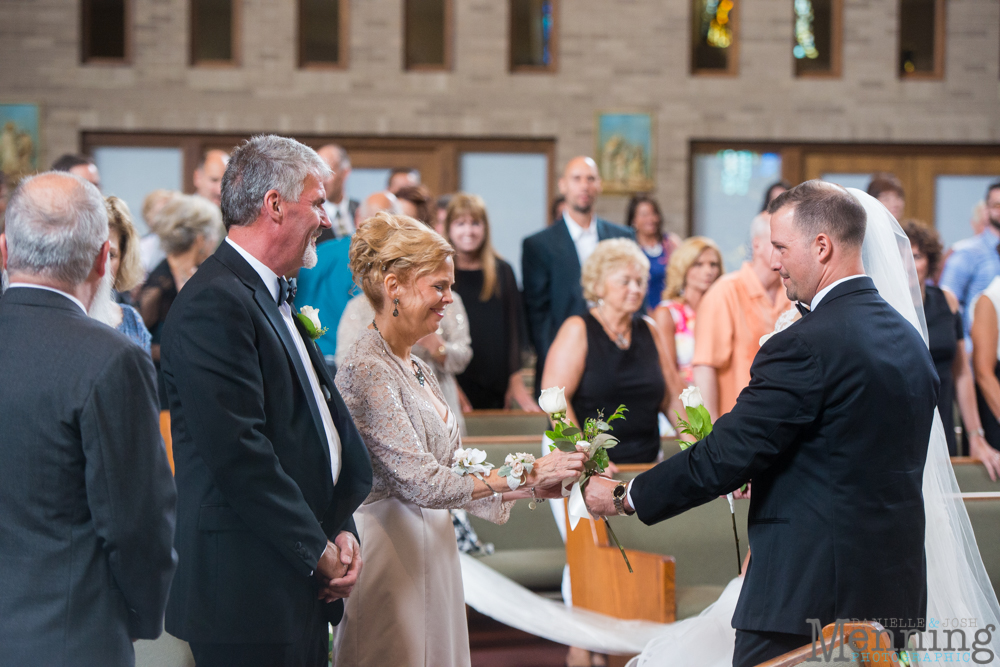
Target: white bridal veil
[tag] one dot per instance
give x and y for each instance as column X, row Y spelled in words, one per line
column 957, row 584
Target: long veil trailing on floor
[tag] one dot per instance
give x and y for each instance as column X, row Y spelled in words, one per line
column 957, row 584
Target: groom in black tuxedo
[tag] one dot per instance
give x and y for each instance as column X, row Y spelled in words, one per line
column 269, row 465
column 833, row 431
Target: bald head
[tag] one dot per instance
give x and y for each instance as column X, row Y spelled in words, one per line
column 56, row 227
column 208, row 175
column 379, row 201
column 580, row 185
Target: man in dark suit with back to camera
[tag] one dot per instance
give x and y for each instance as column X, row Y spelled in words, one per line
column 552, row 258
column 269, row 465
column 833, row 430
column 86, row 497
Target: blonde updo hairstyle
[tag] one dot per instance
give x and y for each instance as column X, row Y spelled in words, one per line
column 610, row 256
column 394, row 244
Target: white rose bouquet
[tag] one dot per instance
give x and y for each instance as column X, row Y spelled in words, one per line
column 699, row 424
column 593, row 440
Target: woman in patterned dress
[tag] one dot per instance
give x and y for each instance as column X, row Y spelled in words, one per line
column 694, row 266
column 408, row 606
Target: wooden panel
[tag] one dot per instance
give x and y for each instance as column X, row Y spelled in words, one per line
column 601, row 581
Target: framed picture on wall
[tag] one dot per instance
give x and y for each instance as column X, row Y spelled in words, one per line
column 625, row 151
column 19, row 139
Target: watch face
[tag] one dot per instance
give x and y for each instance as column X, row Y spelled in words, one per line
column 619, row 491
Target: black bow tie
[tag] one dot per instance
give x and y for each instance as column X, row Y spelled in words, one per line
column 286, row 291
column 803, row 308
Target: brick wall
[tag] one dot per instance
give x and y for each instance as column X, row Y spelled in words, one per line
column 614, row 54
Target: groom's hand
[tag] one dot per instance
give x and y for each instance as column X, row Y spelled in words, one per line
column 350, row 558
column 598, row 496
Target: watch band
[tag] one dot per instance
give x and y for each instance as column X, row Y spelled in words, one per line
column 618, row 496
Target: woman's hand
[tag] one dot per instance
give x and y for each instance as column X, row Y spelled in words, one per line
column 555, row 468
column 990, row 458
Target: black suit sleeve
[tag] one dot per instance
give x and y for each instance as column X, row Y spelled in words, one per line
column 215, row 368
column 130, row 490
column 535, row 274
column 783, row 398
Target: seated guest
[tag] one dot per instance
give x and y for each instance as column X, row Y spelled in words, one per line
column 888, row 189
column 694, row 266
column 735, row 312
column 645, row 218
column 488, row 289
column 190, row 228
column 613, row 353
column 340, row 208
column 207, row 176
column 986, row 366
column 123, row 274
column 87, row 502
column 944, row 330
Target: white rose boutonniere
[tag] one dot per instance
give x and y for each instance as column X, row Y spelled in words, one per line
column 309, row 317
column 553, row 401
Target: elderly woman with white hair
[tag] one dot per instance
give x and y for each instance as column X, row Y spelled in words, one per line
column 190, row 228
column 613, row 354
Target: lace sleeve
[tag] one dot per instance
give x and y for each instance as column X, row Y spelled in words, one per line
column 458, row 340
column 404, row 467
column 490, row 508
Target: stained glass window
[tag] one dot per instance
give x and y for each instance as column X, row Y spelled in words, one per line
column 532, row 34
column 426, row 34
column 921, row 38
column 713, row 46
column 816, row 41
column 212, row 26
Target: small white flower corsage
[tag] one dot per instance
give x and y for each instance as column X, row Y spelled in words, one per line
column 470, row 462
column 516, row 468
column 309, row 317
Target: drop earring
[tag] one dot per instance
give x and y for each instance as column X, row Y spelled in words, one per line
column 395, row 309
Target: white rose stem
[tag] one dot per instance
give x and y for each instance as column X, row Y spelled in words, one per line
column 732, row 513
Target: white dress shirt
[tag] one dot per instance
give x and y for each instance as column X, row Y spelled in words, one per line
column 585, row 240
column 51, row 289
column 340, row 217
column 826, row 290
column 270, row 279
column 812, row 306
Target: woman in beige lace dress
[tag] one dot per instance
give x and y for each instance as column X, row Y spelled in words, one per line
column 408, row 605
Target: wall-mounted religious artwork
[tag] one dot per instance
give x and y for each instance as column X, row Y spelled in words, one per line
column 625, row 152
column 19, row 144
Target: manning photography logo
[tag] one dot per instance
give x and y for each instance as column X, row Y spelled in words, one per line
column 953, row 640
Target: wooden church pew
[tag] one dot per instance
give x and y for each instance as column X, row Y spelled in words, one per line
column 865, row 644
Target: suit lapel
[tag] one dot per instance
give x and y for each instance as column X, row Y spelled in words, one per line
column 270, row 308
column 564, row 248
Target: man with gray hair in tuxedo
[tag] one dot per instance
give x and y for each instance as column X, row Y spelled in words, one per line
column 87, row 500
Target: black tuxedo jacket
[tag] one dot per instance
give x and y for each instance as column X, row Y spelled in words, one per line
column 86, row 498
column 550, row 271
column 256, row 499
column 833, row 431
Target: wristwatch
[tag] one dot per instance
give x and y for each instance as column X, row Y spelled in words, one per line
column 618, row 495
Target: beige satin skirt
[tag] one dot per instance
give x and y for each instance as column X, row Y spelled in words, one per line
column 408, row 607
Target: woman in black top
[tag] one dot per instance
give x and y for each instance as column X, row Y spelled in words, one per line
column 613, row 354
column 946, row 341
column 486, row 283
